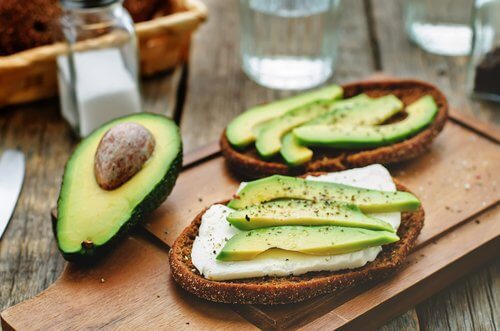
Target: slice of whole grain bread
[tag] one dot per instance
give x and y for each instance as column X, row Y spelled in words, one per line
column 289, row 289
column 247, row 164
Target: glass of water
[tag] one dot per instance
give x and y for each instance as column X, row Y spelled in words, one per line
column 289, row 44
column 440, row 26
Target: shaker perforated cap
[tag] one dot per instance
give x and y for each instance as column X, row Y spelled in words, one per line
column 81, row 4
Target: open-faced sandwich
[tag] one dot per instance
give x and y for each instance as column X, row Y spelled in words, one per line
column 335, row 128
column 285, row 239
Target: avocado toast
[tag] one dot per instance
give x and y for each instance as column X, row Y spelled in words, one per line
column 249, row 283
column 248, row 161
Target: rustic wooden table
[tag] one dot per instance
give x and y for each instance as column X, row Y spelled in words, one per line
column 203, row 98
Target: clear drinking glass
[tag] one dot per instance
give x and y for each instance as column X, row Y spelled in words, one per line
column 289, row 44
column 484, row 63
column 440, row 26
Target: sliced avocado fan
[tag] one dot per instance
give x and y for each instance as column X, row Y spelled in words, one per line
column 240, row 132
column 304, row 212
column 312, row 240
column 90, row 218
column 270, row 134
column 420, row 114
column 285, row 187
column 359, row 110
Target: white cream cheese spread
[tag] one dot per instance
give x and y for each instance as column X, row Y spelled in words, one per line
column 215, row 231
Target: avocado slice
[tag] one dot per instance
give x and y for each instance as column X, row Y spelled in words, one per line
column 90, row 218
column 240, row 131
column 268, row 141
column 365, row 111
column 281, row 187
column 362, row 110
column 419, row 115
column 304, row 212
column 296, row 154
column 312, row 240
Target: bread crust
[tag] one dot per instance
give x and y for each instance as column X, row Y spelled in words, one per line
column 290, row 289
column 247, row 164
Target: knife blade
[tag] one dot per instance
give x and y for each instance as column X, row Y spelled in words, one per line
column 12, row 167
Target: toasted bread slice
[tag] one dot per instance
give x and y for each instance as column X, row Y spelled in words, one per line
column 247, row 163
column 290, row 289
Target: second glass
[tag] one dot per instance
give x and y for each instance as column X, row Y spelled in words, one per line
column 440, row 27
column 289, row 44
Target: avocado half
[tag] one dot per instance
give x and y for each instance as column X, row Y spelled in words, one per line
column 91, row 219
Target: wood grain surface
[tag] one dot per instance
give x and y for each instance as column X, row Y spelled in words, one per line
column 453, row 188
column 29, row 259
column 451, row 244
column 373, row 40
column 113, row 295
column 427, row 269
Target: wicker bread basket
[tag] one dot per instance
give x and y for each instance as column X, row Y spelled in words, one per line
column 164, row 43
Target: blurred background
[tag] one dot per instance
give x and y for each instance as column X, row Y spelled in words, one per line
column 372, row 38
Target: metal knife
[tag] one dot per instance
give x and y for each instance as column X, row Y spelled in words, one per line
column 12, row 167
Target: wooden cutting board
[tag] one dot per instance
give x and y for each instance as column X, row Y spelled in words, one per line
column 132, row 287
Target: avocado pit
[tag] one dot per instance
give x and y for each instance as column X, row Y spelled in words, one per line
column 122, row 152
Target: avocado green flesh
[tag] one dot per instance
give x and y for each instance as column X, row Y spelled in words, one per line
column 284, row 187
column 360, row 111
column 268, row 141
column 420, row 115
column 89, row 213
column 293, row 152
column 240, row 131
column 365, row 111
column 304, row 212
column 312, row 240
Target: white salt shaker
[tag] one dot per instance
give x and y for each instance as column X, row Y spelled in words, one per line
column 98, row 75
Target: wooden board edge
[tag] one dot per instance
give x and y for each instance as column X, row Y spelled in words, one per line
column 433, row 284
column 264, row 321
column 141, row 249
column 5, row 325
column 489, row 131
column 200, row 154
column 257, row 317
column 261, row 319
column 463, row 264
